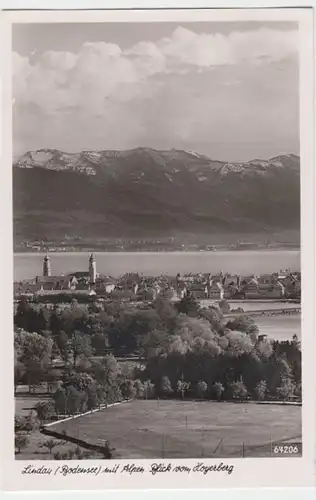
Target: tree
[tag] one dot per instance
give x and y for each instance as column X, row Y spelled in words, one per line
column 201, row 389
column 287, row 389
column 154, row 343
column 260, row 390
column 149, row 389
column 45, row 410
column 19, row 372
column 215, row 317
column 79, row 380
column 25, row 316
column 43, row 320
column 92, row 397
column 128, row 390
column 25, row 424
column 188, row 305
column 218, row 390
column 80, row 346
column 21, row 441
column 99, row 343
column 224, row 306
column 182, row 387
column 52, row 379
column 75, row 400
column 35, row 374
column 60, row 398
column 167, row 313
column 33, row 347
column 50, row 444
column 34, row 352
column 165, row 387
column 298, row 391
column 238, row 390
column 244, row 324
column 108, row 373
column 107, row 450
column 239, row 344
column 63, row 344
column 139, row 389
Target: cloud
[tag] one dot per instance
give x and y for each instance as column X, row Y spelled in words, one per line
column 104, row 69
column 103, row 86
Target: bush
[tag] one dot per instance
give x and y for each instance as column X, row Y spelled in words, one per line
column 107, row 450
column 139, row 389
column 21, row 441
column 50, row 444
column 287, row 389
column 224, row 306
column 128, row 390
column 201, row 389
column 218, row 389
column 238, row 390
column 165, row 387
column 25, row 424
column 45, row 410
column 261, row 390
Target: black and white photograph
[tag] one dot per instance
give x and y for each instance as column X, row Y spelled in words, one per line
column 158, row 315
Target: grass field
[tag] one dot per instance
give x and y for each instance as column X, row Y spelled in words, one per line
column 186, row 429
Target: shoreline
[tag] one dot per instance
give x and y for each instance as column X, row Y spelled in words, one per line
column 192, row 252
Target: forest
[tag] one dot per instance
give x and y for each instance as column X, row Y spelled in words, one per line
column 186, row 352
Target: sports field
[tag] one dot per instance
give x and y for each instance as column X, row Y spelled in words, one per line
column 188, row 429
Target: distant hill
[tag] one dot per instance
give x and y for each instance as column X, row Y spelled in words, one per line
column 148, row 192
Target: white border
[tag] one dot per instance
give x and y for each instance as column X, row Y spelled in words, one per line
column 250, row 472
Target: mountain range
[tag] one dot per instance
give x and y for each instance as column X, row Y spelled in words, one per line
column 143, row 191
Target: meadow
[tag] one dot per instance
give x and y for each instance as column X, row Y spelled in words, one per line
column 188, row 429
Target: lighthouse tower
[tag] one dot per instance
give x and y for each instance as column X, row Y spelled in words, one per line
column 46, row 266
column 92, row 269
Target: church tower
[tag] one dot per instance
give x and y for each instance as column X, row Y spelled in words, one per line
column 92, row 269
column 46, row 266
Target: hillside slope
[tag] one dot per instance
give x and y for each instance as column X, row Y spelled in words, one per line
column 148, row 192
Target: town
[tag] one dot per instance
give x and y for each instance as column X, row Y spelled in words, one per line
column 89, row 284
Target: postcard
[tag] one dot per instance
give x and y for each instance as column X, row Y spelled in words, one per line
column 157, row 285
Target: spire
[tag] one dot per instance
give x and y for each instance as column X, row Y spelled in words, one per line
column 46, row 266
column 92, row 269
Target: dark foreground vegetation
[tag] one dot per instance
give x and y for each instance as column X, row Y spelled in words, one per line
column 188, row 352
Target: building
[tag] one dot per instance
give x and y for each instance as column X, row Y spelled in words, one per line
column 55, row 283
column 230, row 280
column 267, row 279
column 92, row 269
column 81, row 276
column 181, row 289
column 256, row 289
column 105, row 284
column 231, row 284
column 250, row 289
column 199, row 290
column 78, row 279
column 271, row 291
column 215, row 290
column 46, row 266
column 73, row 293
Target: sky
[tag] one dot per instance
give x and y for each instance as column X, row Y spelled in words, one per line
column 226, row 90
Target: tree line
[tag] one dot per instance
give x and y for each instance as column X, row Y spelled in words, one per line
column 188, row 351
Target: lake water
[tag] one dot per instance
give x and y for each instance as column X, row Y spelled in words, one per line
column 280, row 327
column 29, row 265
